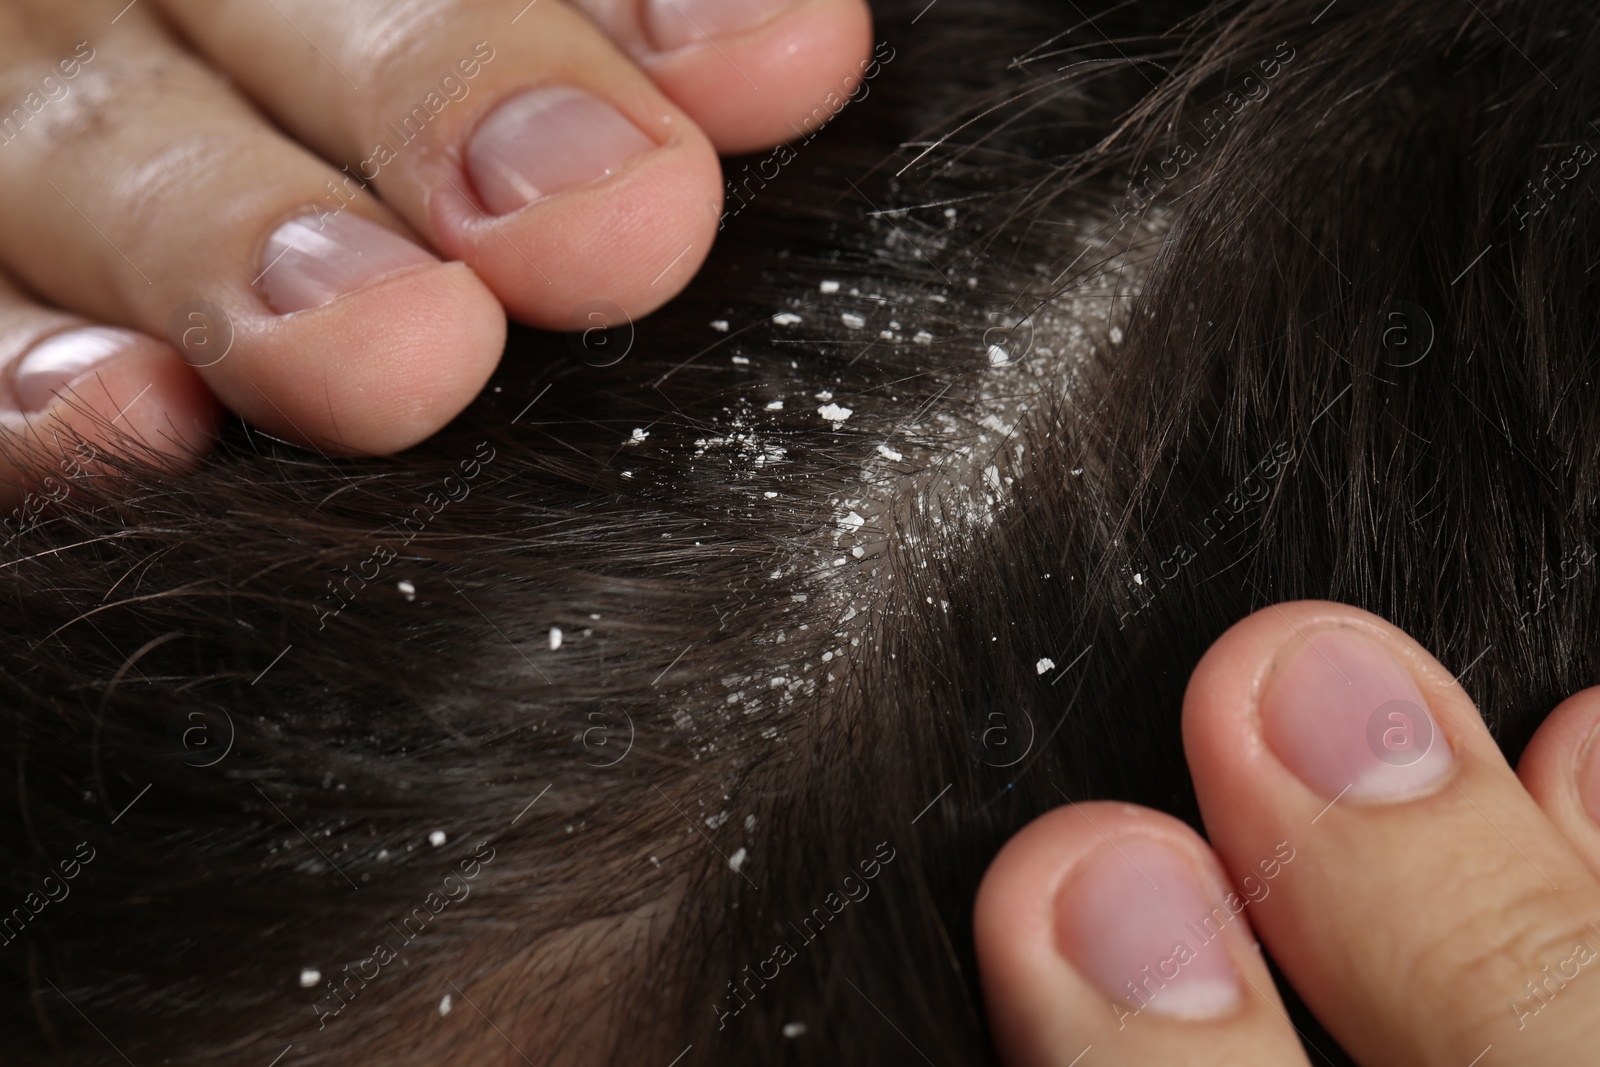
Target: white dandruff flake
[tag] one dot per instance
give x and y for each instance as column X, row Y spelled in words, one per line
column 309, row 977
column 627, row 474
column 834, row 413
column 770, row 495
column 445, row 1004
column 785, row 318
column 793, row 1030
column 720, row 325
column 852, row 320
column 1115, row 335
column 922, row 337
column 830, row 287
column 998, row 357
column 555, row 638
column 638, row 436
column 407, row 590
column 776, row 405
column 736, row 861
column 852, row 522
column 857, row 552
column 742, row 361
column 437, row 838
column 1138, row 579
column 890, row 454
column 1045, row 664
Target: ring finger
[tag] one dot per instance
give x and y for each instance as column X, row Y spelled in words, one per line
column 71, row 390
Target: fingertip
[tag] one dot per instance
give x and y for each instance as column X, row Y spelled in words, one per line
column 1062, row 919
column 780, row 80
column 374, row 371
column 1234, row 711
column 1560, row 768
column 1013, row 917
column 160, row 402
column 1032, row 864
column 1559, row 746
column 138, row 399
column 633, row 239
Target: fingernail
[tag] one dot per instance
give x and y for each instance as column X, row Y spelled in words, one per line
column 1136, row 924
column 545, row 140
column 53, row 365
column 1589, row 779
column 314, row 260
column 1346, row 717
column 673, row 24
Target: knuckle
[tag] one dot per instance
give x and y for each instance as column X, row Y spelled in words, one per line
column 134, row 140
column 386, row 61
column 395, row 41
column 1484, row 959
column 87, row 113
column 408, row 51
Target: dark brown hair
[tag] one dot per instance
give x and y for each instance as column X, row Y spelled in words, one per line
column 672, row 701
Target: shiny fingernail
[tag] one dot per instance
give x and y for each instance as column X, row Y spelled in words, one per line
column 53, row 365
column 1344, row 714
column 313, row 260
column 1137, row 925
column 674, row 24
column 545, row 140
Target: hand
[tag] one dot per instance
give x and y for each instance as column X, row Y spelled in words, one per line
column 1428, row 903
column 331, row 207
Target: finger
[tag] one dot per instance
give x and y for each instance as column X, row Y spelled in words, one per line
column 151, row 190
column 1560, row 768
column 751, row 73
column 514, row 137
column 1427, row 894
column 71, row 391
column 1109, row 934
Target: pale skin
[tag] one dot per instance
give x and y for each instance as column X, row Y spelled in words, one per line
column 524, row 161
column 1458, row 918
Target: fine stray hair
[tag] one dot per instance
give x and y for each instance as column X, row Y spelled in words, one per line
column 588, row 715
